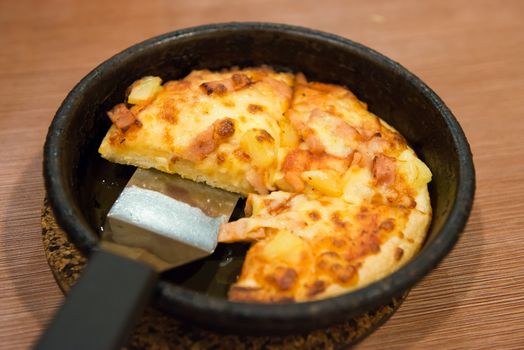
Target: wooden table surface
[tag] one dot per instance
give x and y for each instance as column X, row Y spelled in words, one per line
column 470, row 52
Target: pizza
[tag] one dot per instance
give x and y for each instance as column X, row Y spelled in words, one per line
column 336, row 199
column 217, row 127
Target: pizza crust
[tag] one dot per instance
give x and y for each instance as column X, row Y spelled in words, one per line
column 380, row 265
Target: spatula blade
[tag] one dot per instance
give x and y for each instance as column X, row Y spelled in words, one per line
column 165, row 220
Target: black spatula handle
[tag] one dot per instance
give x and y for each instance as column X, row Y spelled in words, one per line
column 103, row 306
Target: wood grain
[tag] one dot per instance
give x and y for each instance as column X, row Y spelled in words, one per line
column 470, row 53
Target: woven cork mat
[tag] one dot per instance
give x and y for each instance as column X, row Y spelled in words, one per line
column 157, row 330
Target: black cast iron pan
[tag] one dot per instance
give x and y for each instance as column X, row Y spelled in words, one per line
column 81, row 186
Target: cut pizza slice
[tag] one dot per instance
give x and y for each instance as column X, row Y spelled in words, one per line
column 218, row 127
column 306, row 249
column 343, row 150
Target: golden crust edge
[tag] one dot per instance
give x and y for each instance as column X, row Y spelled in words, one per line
column 375, row 267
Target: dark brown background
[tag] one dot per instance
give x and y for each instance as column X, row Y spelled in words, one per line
column 470, row 52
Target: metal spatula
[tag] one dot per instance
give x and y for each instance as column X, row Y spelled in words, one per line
column 165, row 220
column 158, row 222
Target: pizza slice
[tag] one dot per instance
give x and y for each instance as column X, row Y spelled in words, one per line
column 218, row 127
column 343, row 150
column 306, row 249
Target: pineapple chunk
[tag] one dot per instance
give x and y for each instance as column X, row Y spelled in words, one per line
column 324, row 181
column 284, row 246
column 254, row 205
column 144, row 90
column 260, row 146
column 281, row 184
column 424, row 174
column 415, row 171
column 289, row 136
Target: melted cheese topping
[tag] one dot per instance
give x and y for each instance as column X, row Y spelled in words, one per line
column 314, row 248
column 352, row 152
column 342, row 200
column 180, row 128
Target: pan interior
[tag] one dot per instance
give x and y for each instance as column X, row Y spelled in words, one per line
column 96, row 183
